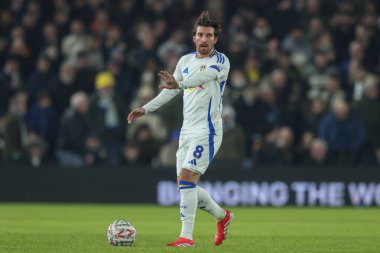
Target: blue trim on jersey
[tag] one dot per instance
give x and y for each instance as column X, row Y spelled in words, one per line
column 212, row 132
column 182, row 184
column 218, row 68
column 222, row 83
column 220, row 58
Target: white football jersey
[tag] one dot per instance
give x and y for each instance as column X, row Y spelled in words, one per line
column 203, row 82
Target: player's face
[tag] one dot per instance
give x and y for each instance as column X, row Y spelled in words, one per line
column 204, row 40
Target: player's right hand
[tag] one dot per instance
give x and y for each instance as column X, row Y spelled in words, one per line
column 170, row 82
column 135, row 113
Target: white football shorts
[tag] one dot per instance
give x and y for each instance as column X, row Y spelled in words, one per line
column 196, row 151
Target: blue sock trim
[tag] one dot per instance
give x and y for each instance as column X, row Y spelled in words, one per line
column 186, row 185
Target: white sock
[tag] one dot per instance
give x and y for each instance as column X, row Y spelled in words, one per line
column 188, row 207
column 206, row 203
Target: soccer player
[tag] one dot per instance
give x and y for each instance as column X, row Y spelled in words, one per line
column 202, row 76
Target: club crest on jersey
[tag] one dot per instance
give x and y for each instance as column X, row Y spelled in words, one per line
column 202, row 68
column 186, row 70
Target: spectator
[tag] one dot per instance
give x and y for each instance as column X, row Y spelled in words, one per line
column 61, row 20
column 325, row 44
column 285, row 64
column 84, row 72
column 35, row 150
column 43, row 120
column 148, row 147
column 107, row 116
column 252, row 70
column 298, row 45
column 354, row 60
column 368, row 109
column 73, row 131
column 173, row 46
column 51, row 44
column 312, row 119
column 131, row 154
column 318, row 152
column 114, row 45
column 40, row 79
column 251, row 115
column 232, row 147
column 279, row 147
column 343, row 131
column 75, row 42
column 317, row 76
column 95, row 151
column 101, row 23
column 167, row 155
column 315, row 29
column 63, row 87
column 94, row 54
column 282, row 19
column 126, row 13
column 359, row 78
column 19, row 49
column 11, row 80
column 261, row 33
column 141, row 54
column 15, row 131
column 153, row 120
column 334, row 89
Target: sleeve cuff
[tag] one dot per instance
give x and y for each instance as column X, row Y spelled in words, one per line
column 182, row 85
column 146, row 109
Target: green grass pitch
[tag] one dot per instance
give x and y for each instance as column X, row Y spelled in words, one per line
column 82, row 228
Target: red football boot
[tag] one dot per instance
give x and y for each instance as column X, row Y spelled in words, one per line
column 182, row 242
column 221, row 228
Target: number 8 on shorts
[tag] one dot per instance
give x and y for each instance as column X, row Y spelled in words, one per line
column 198, row 151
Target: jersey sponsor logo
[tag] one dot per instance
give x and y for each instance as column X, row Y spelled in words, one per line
column 186, row 70
column 216, row 67
column 199, row 87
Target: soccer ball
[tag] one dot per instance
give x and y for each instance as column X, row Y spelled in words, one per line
column 121, row 233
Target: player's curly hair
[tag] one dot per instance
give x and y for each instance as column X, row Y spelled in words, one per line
column 204, row 20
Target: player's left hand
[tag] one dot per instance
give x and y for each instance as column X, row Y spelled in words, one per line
column 170, row 82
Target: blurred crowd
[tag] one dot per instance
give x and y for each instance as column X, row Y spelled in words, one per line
column 303, row 85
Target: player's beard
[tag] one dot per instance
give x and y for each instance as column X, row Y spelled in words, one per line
column 205, row 51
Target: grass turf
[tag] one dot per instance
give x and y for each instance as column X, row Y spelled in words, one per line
column 82, row 228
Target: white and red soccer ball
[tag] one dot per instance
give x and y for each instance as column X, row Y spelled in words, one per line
column 121, row 233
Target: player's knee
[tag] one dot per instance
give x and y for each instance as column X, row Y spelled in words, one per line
column 188, row 175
